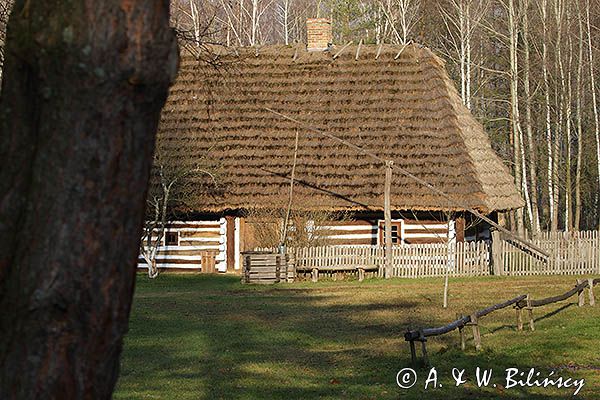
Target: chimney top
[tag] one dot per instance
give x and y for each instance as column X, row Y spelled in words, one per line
column 319, row 34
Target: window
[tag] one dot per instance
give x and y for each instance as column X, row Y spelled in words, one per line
column 396, row 232
column 172, row 239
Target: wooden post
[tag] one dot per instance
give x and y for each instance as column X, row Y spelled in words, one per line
column 423, row 341
column 519, row 318
column 591, row 292
column 530, row 312
column 461, row 331
column 476, row 332
column 230, row 237
column 460, row 229
column 413, row 352
column 581, row 296
column 388, row 219
column 463, row 339
column 497, row 260
column 361, row 274
column 291, row 193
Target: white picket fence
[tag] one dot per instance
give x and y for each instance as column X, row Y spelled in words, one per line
column 571, row 253
column 409, row 261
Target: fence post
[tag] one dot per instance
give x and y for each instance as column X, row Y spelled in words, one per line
column 530, row 312
column 519, row 318
column 591, row 292
column 461, row 330
column 581, row 297
column 476, row 332
column 496, row 250
column 423, row 341
column 413, row 351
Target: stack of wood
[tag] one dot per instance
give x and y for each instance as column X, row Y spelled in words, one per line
column 266, row 268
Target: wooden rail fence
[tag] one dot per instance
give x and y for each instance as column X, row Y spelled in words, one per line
column 520, row 303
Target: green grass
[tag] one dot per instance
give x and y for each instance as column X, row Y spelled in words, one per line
column 209, row 337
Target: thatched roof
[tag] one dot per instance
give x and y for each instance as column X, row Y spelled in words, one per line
column 404, row 109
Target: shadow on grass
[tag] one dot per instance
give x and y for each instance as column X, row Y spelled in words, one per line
column 209, row 337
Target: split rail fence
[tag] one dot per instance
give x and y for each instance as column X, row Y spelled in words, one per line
column 519, row 303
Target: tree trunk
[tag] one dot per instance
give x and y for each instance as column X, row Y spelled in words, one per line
column 549, row 146
column 535, row 218
column 579, row 107
column 593, row 90
column 84, row 83
column 517, row 133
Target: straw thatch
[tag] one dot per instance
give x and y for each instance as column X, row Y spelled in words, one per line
column 405, row 109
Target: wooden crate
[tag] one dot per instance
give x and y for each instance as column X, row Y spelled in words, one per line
column 264, row 267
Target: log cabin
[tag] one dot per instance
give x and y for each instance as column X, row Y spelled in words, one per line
column 395, row 101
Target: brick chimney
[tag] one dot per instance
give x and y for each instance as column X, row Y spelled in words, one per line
column 319, row 33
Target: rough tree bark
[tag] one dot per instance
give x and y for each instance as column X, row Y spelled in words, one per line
column 84, row 83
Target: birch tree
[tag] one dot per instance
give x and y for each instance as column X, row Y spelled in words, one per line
column 590, row 48
column 535, row 215
column 461, row 20
column 579, row 115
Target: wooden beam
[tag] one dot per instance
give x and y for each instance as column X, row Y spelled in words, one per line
column 358, row 50
column 388, row 219
column 460, row 229
column 400, row 52
column 230, row 243
column 379, row 51
column 342, row 49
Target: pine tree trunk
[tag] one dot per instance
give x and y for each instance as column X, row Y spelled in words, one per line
column 84, row 83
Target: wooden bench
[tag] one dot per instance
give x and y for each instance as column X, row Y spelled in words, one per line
column 314, row 271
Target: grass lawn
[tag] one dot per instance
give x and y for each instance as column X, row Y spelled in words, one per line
column 209, row 337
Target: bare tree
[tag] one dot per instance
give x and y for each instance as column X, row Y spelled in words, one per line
column 461, row 21
column 593, row 88
column 176, row 183
column 553, row 216
column 535, row 215
column 579, row 116
column 283, row 15
column 408, row 15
